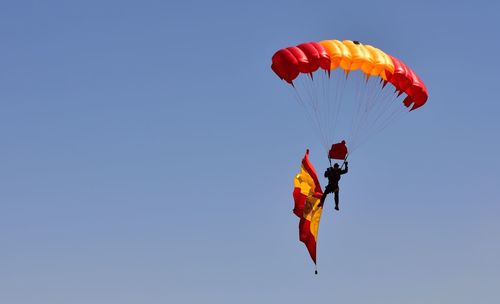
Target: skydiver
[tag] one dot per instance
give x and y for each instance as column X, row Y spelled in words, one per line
column 333, row 175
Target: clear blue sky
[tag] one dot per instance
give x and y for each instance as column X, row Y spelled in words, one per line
column 147, row 153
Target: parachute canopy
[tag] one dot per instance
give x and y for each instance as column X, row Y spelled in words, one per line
column 350, row 55
column 350, row 90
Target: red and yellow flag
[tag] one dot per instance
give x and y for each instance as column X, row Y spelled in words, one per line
column 307, row 194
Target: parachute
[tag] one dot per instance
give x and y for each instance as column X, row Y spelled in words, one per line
column 348, row 83
column 344, row 86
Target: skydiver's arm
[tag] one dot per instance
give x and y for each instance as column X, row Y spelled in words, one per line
column 327, row 171
column 346, row 169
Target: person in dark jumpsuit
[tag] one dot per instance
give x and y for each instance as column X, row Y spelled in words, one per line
column 333, row 174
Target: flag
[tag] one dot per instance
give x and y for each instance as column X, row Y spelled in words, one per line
column 307, row 194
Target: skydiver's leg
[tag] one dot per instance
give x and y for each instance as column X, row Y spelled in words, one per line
column 336, row 192
column 323, row 197
column 322, row 200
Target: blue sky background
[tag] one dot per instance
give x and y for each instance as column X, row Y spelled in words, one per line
column 147, row 153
